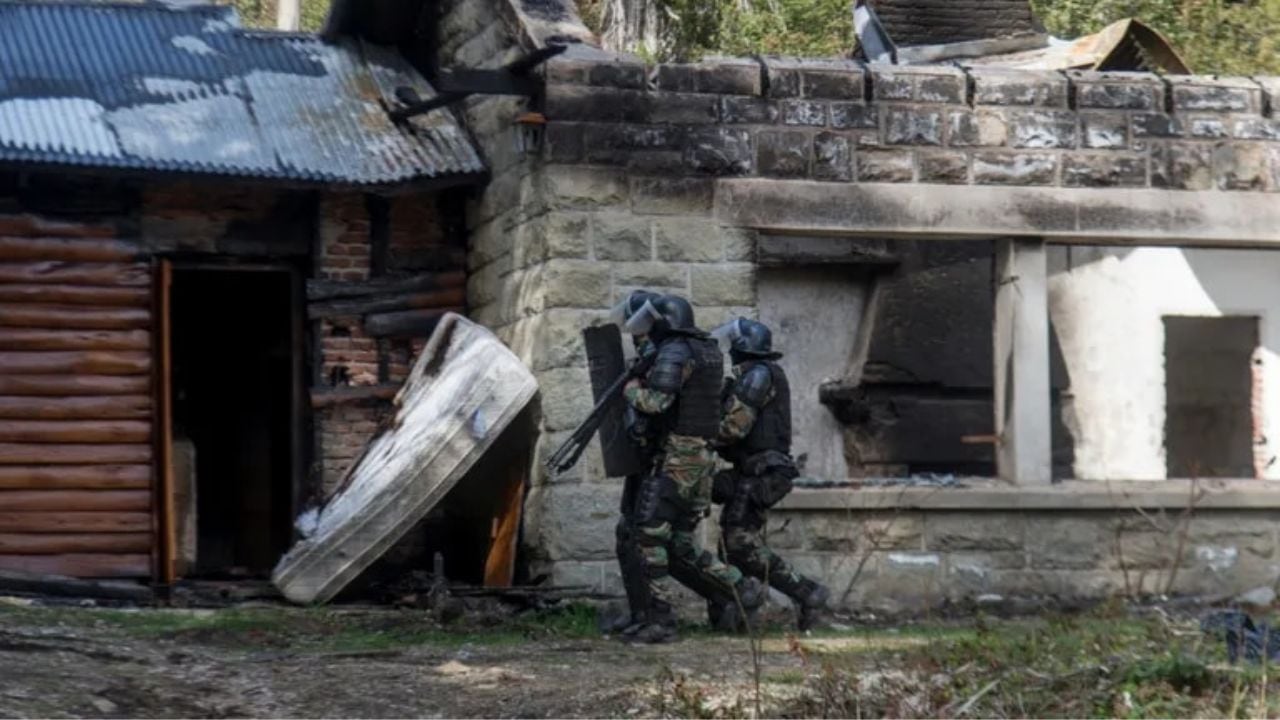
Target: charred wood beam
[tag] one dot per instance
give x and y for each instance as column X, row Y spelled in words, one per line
column 76, row 295
column 61, row 586
column 331, row 289
column 406, row 323
column 76, row 250
column 66, row 521
column 329, row 397
column 451, row 297
column 74, row 361
column 510, row 79
column 74, row 431
column 43, row 544
column 95, row 565
column 46, row 454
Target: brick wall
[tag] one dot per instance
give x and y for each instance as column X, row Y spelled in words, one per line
column 347, row 356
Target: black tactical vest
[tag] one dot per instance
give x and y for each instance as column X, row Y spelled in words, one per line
column 772, row 429
column 697, row 410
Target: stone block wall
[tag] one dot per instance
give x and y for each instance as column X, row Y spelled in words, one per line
column 840, row 121
column 910, row 560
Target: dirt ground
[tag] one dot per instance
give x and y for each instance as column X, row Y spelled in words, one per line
column 277, row 661
column 342, row 662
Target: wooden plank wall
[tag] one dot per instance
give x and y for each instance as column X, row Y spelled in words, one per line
column 75, row 401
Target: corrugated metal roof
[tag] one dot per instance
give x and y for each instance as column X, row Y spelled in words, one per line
column 184, row 88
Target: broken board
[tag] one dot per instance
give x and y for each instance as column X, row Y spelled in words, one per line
column 465, row 388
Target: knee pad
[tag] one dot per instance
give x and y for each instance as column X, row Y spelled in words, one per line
column 654, row 501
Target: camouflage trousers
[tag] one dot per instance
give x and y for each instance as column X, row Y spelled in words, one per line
column 669, row 506
column 742, row 525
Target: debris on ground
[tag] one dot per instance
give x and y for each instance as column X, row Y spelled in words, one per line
column 1255, row 642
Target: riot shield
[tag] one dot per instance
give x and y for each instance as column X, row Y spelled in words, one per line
column 606, row 363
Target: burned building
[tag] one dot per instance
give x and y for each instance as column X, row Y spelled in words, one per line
column 1019, row 303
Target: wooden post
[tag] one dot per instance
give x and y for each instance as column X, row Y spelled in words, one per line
column 1023, row 452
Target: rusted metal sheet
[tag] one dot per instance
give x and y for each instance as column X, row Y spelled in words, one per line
column 160, row 87
column 465, row 388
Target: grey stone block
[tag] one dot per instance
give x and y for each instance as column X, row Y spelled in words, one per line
column 1208, row 127
column 804, row 112
column 1241, row 166
column 671, row 196
column 837, row 84
column 651, row 274
column 905, row 126
column 1014, row 168
column 1120, row 96
column 725, row 284
column 1190, row 166
column 736, row 110
column 1104, row 170
column 896, row 166
column 1256, row 128
column 720, row 78
column 948, row 168
column 718, row 151
column 676, row 108
column 1104, row 130
column 854, row 115
column 948, row 531
column 1048, row 129
column 980, row 129
column 783, row 153
column 688, row 240
column 1022, row 87
column 1220, row 95
column 1156, row 125
column 621, row 237
column 832, row 157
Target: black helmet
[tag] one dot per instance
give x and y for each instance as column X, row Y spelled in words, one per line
column 677, row 315
column 747, row 339
column 631, row 305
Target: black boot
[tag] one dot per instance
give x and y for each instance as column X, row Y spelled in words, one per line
column 737, row 612
column 811, row 603
column 657, row 626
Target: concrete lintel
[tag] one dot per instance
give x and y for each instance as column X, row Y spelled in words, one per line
column 1073, row 495
column 1090, row 216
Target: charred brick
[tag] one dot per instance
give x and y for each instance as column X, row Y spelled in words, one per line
column 1221, row 98
column 719, row 79
column 783, row 153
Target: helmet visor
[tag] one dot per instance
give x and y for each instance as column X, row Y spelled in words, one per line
column 727, row 333
column 642, row 320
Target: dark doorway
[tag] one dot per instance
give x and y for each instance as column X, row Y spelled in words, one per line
column 1208, row 428
column 233, row 382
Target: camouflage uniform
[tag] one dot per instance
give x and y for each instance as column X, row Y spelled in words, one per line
column 761, row 476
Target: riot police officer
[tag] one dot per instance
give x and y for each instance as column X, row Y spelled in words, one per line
column 680, row 391
column 755, row 436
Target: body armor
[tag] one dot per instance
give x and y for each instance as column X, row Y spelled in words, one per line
column 772, row 428
column 696, row 412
